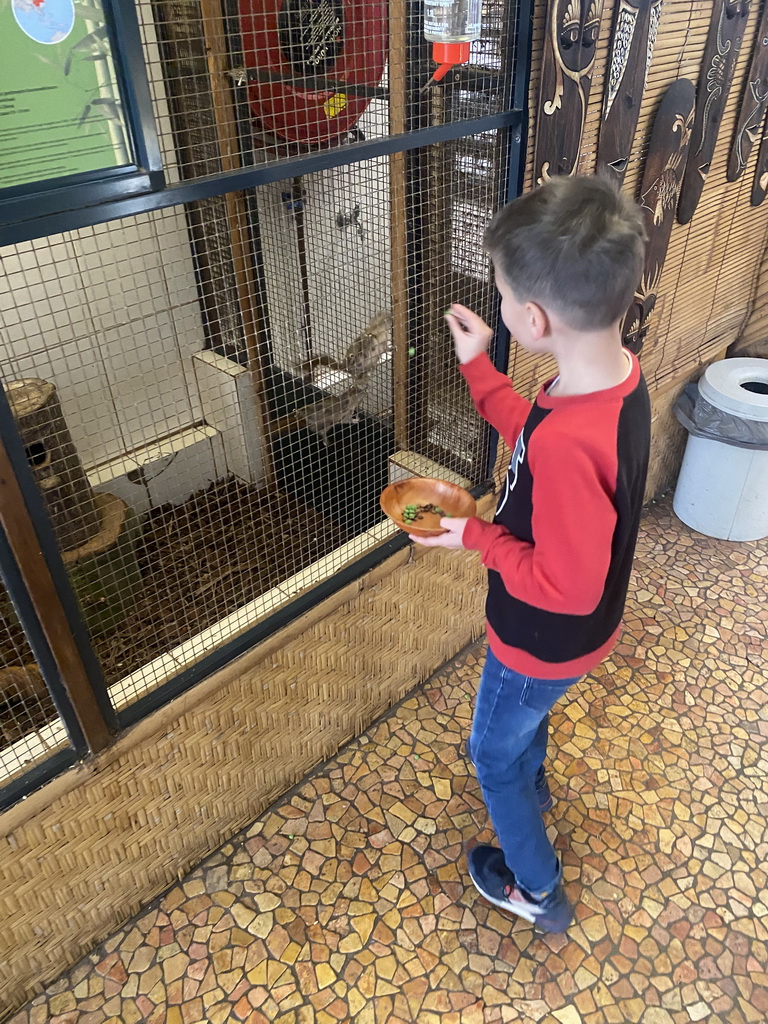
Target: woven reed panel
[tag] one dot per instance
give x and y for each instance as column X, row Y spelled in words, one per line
column 711, row 270
column 78, row 864
column 712, row 279
column 754, row 338
column 668, row 440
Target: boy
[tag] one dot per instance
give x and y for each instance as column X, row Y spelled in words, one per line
column 567, row 259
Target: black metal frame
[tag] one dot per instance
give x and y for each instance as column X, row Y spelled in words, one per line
column 518, row 142
column 40, row 200
column 111, row 203
column 247, row 177
column 417, row 57
column 45, row 770
column 28, row 618
column 46, row 538
column 35, row 777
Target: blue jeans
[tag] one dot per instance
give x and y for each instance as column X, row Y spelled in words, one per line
column 508, row 747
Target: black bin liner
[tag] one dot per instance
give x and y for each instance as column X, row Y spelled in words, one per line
column 702, row 419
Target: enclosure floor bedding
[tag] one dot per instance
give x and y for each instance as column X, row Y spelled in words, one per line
column 198, row 562
column 350, row 901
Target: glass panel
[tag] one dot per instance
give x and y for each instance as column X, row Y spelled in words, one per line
column 61, row 108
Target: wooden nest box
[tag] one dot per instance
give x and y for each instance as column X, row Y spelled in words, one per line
column 54, row 461
column 96, row 533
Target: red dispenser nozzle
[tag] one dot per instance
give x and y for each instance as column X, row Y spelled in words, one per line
column 446, row 55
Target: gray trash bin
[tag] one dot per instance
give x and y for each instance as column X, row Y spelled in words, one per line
column 722, row 490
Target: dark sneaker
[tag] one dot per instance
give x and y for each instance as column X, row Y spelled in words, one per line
column 542, row 786
column 493, row 880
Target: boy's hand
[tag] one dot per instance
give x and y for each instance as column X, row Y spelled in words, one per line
column 471, row 335
column 452, row 538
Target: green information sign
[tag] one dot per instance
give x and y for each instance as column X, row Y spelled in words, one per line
column 60, row 108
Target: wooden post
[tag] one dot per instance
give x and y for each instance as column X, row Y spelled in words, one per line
column 438, row 362
column 105, row 572
column 398, row 223
column 297, row 195
column 237, row 212
column 25, row 546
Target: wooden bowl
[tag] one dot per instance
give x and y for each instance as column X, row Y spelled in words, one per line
column 421, row 490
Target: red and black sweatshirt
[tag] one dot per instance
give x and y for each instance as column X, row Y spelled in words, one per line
column 559, row 550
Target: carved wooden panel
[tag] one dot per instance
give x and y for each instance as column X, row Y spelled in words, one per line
column 726, row 30
column 753, row 103
column 636, row 24
column 760, row 186
column 659, row 192
column 572, row 31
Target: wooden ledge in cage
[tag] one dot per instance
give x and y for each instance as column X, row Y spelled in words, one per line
column 104, row 571
column 404, row 464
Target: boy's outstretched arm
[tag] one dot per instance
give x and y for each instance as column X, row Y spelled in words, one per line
column 574, row 519
column 573, row 523
column 492, row 392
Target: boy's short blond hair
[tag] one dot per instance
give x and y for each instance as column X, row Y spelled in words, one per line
column 575, row 246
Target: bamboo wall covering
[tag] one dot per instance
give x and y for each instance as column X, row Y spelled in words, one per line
column 711, row 274
column 753, row 340
column 82, row 855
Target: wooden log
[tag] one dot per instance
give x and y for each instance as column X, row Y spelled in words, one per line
column 726, row 30
column 104, row 572
column 54, row 461
column 570, row 43
column 635, row 27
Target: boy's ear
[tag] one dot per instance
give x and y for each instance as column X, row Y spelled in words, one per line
column 538, row 321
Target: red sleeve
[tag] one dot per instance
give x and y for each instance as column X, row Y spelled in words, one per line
column 495, row 398
column 573, row 523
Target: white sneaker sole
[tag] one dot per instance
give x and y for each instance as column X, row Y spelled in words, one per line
column 511, row 908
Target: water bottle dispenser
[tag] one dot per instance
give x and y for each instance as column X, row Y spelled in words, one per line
column 451, row 27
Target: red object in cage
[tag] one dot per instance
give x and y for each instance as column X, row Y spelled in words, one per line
column 301, row 54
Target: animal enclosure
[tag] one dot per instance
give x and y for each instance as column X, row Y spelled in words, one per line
column 212, row 395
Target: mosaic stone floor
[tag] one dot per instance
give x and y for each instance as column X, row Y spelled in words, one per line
column 349, row 901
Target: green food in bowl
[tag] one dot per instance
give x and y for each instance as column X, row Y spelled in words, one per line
column 411, row 513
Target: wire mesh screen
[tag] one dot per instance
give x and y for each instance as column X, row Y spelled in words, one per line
column 461, row 189
column 30, row 729
column 237, row 82
column 194, row 488
column 212, row 397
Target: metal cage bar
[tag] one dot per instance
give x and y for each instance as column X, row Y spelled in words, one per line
column 245, row 178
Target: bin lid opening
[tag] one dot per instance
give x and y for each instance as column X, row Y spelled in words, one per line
column 738, row 387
